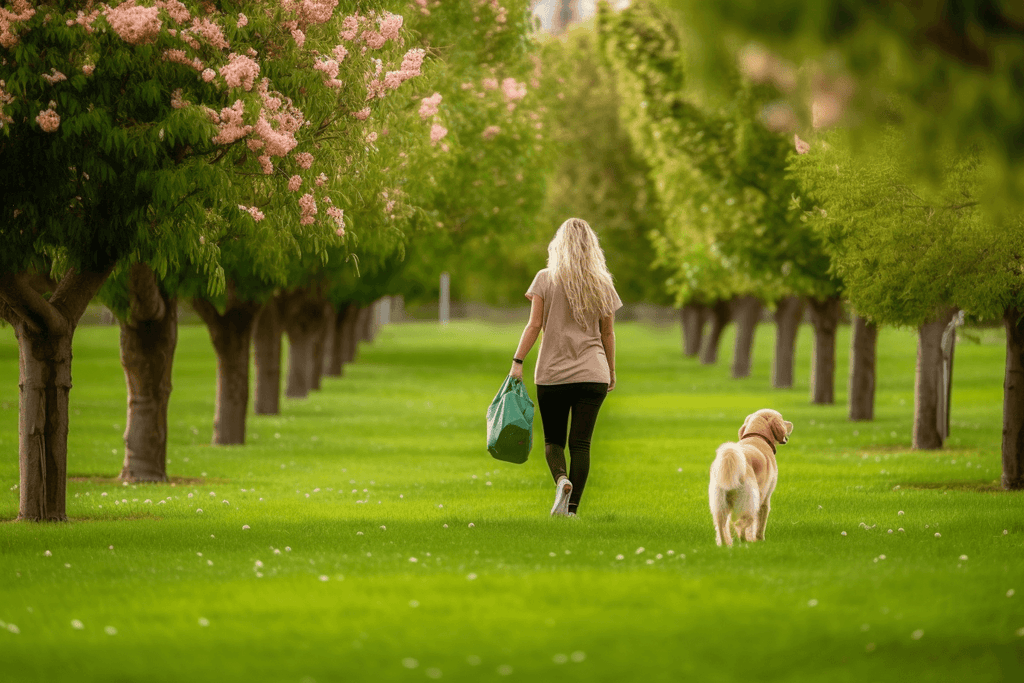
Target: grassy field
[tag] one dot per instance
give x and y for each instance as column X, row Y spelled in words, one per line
column 365, row 534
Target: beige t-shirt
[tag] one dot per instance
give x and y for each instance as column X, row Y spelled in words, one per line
column 568, row 353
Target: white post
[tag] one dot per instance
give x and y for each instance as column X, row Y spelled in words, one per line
column 444, row 304
column 384, row 306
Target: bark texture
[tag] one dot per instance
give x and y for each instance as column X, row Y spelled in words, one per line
column 44, row 329
column 862, row 369
column 746, row 313
column 267, row 352
column 788, row 313
column 692, row 317
column 1013, row 401
column 824, row 314
column 720, row 314
column 303, row 315
column 149, row 336
column 928, row 385
column 231, row 334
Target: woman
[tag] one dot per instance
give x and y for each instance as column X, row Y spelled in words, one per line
column 573, row 301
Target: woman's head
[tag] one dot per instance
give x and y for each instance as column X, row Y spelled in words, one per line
column 577, row 263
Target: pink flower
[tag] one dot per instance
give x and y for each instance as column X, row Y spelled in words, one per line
column 412, row 61
column 514, row 90
column 801, row 146
column 176, row 101
column 490, row 132
column 307, row 206
column 362, row 114
column 339, row 217
column 175, row 10
column 278, row 143
column 393, row 79
column 134, row 25
column 328, row 66
column 179, row 57
column 304, row 160
column 390, row 25
column 349, row 27
column 54, row 77
column 299, row 36
column 268, row 166
column 339, row 53
column 88, row 69
column 210, row 32
column 240, row 71
column 320, row 181
column 209, row 75
column 254, row 144
column 390, row 206
column 490, row 84
column 429, row 106
column 316, row 11
column 230, row 125
column 371, row 137
column 242, row 21
column 437, row 132
column 373, row 39
column 48, row 120
column 256, row 214
column 20, row 11
column 294, row 183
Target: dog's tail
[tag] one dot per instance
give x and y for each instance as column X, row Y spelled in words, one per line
column 728, row 468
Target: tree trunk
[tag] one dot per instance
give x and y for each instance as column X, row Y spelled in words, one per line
column 231, row 334
column 692, row 317
column 824, row 316
column 302, row 313
column 1013, row 401
column 747, row 313
column 45, row 329
column 337, row 352
column 329, row 334
column 788, row 313
column 719, row 319
column 267, row 352
column 350, row 329
column 366, row 332
column 862, row 369
column 928, row 385
column 324, row 328
column 148, row 339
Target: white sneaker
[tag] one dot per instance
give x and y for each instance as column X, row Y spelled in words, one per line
column 562, row 490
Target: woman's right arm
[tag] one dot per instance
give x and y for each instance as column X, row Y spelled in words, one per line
column 608, row 340
column 530, row 334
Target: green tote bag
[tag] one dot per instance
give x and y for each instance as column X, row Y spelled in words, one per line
column 510, row 423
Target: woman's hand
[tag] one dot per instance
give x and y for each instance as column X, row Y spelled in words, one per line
column 517, row 371
column 611, row 382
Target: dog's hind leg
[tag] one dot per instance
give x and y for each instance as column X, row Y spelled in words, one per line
column 722, row 527
column 762, row 519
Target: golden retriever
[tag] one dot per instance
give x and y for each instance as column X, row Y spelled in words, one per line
column 743, row 477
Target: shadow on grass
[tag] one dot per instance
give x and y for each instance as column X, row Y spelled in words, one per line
column 171, row 481
column 973, row 486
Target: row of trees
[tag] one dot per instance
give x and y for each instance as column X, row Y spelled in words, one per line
column 904, row 232
column 266, row 162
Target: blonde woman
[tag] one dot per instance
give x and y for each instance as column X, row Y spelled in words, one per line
column 573, row 301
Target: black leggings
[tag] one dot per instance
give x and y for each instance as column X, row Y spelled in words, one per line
column 556, row 401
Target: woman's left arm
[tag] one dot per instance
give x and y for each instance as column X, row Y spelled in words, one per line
column 530, row 334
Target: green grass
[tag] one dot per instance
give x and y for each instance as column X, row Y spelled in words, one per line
column 342, row 490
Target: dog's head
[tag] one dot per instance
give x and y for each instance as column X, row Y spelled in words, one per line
column 769, row 424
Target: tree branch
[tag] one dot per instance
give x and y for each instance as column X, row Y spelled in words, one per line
column 207, row 311
column 26, row 305
column 146, row 302
column 76, row 289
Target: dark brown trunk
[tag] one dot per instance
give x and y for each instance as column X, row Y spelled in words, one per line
column 928, row 384
column 319, row 351
column 720, row 313
column 337, row 352
column 45, row 329
column 692, row 317
column 302, row 313
column 746, row 313
column 788, row 313
column 366, row 332
column 329, row 334
column 350, row 330
column 824, row 314
column 267, row 352
column 1013, row 401
column 231, row 334
column 862, row 369
column 149, row 336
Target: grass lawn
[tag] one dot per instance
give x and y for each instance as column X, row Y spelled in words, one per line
column 365, row 534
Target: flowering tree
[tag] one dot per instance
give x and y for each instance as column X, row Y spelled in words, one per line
column 164, row 134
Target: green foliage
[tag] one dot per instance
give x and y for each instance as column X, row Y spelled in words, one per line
column 730, row 227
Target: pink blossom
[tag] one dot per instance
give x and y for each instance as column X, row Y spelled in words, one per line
column 175, row 10
column 54, row 77
column 390, row 25
column 390, row 206
column 362, row 114
column 133, row 24
column 176, row 100
column 266, row 164
column 490, row 84
column 20, row 11
column 467, row 86
column 375, row 89
column 316, row 11
column 48, row 120
column 371, row 137
column 429, row 106
column 256, row 214
column 242, row 21
column 304, row 160
column 320, row 181
column 231, row 126
column 88, row 69
column 412, row 61
column 339, row 53
column 328, row 66
column 392, row 80
column 299, row 36
column 349, row 27
column 254, row 144
column 513, row 89
column 240, row 71
column 373, row 39
column 210, row 32
column 339, row 218
column 423, row 7
column 801, row 146
column 294, row 183
column 307, row 205
column 334, row 84
column 209, row 75
column 277, row 143
column 490, row 132
column 437, row 132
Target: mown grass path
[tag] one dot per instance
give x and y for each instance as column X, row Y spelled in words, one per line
column 365, row 534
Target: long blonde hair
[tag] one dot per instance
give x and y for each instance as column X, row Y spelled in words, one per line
column 577, row 263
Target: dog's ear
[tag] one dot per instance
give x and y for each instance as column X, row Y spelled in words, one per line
column 743, row 429
column 780, row 428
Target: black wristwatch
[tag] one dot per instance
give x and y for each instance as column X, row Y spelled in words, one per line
column 516, row 360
